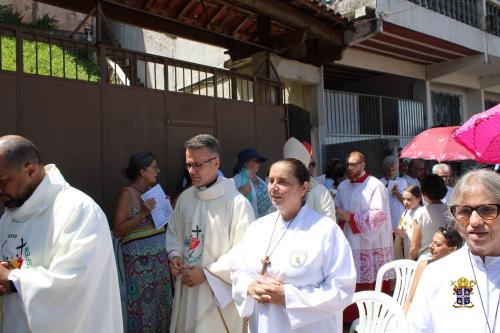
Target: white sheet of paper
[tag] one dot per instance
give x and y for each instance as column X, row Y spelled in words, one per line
column 163, row 209
column 221, row 289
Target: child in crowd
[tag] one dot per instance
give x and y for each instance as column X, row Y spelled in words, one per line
column 412, row 199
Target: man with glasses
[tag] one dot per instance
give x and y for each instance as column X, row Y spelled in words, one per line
column 209, row 219
column 363, row 209
column 444, row 171
column 461, row 292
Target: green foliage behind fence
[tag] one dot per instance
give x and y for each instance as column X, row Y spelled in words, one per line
column 53, row 60
column 8, row 53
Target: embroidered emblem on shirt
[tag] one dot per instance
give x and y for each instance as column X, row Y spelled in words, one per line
column 298, row 258
column 463, row 288
column 16, row 252
column 193, row 246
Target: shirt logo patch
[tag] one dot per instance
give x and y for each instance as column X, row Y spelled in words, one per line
column 462, row 289
column 298, row 258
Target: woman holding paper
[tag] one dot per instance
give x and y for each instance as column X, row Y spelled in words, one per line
column 149, row 291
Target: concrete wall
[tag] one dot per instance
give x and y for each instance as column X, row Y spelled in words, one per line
column 31, row 10
column 407, row 14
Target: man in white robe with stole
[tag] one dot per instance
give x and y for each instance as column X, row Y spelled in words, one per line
column 58, row 271
column 209, row 219
column 318, row 198
column 364, row 214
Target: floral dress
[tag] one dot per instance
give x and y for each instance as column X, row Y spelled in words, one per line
column 149, row 287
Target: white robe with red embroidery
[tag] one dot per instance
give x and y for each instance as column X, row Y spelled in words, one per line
column 372, row 246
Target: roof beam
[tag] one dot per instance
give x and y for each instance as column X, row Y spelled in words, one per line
column 146, row 4
column 217, row 15
column 183, row 9
column 281, row 12
column 290, row 39
column 489, row 81
column 434, row 71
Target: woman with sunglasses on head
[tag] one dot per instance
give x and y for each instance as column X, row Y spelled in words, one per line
column 293, row 270
column 445, row 241
column 461, row 293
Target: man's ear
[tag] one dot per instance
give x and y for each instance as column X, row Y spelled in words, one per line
column 30, row 169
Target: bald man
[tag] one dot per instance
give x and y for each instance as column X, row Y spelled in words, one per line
column 363, row 207
column 58, row 270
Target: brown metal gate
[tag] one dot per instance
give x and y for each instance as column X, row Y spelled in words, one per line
column 89, row 125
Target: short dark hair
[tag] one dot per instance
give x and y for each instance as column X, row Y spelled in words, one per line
column 18, row 151
column 415, row 161
column 299, row 170
column 452, row 236
column 204, row 141
column 433, row 187
column 138, row 161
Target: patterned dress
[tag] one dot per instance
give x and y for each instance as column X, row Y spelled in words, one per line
column 149, row 287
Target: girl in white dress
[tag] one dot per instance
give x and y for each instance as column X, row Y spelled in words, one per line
column 412, row 200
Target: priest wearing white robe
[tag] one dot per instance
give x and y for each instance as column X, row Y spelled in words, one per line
column 461, row 292
column 363, row 208
column 293, row 271
column 209, row 219
column 58, row 271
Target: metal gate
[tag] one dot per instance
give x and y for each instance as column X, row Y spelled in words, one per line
column 89, row 107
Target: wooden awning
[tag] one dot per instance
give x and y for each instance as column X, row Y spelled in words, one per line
column 304, row 30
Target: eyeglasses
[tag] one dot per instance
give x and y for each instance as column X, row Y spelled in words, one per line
column 487, row 212
column 353, row 165
column 200, row 164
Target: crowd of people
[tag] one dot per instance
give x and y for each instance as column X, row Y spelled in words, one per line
column 280, row 253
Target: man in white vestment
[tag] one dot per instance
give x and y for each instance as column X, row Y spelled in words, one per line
column 395, row 186
column 209, row 219
column 363, row 209
column 58, row 271
column 318, row 197
column 416, row 172
column 461, row 292
column 444, row 171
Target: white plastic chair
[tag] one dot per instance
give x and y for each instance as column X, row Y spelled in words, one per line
column 404, row 269
column 378, row 313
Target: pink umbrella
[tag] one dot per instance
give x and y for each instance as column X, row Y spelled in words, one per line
column 481, row 135
column 437, row 144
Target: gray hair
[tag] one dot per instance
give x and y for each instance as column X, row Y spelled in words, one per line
column 389, row 161
column 441, row 166
column 490, row 180
column 204, row 141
